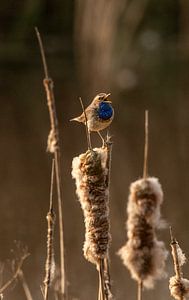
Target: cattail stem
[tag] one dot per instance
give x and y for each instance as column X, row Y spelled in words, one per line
column 104, row 272
column 101, row 280
column 86, row 126
column 145, row 176
column 99, row 284
column 177, row 267
column 48, row 84
column 52, row 186
column 107, row 279
column 42, row 53
column 175, row 255
column 139, row 297
column 50, row 238
column 25, row 286
column 109, row 145
column 145, row 167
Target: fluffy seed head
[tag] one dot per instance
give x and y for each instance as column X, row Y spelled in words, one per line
column 143, row 254
column 90, row 172
column 181, row 255
column 179, row 288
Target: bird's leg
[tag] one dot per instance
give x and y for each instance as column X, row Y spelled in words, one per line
column 88, row 135
column 103, row 141
column 89, row 140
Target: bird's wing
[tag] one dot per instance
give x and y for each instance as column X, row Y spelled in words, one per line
column 88, row 111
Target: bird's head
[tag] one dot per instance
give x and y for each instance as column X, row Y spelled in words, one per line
column 102, row 97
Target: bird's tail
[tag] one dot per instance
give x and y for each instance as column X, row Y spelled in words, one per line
column 77, row 119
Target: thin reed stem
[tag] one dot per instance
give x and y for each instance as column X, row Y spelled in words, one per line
column 99, row 286
column 177, row 267
column 109, row 145
column 175, row 255
column 25, row 286
column 139, row 296
column 86, row 126
column 104, row 272
column 50, row 240
column 101, row 281
column 52, row 186
column 146, row 145
column 107, row 278
column 42, row 53
column 48, row 84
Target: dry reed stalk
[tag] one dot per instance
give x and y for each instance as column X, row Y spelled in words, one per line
column 145, row 176
column 50, row 263
column 107, row 279
column 143, row 254
column 146, row 146
column 178, row 286
column 53, row 146
column 86, row 126
column 91, row 173
column 25, row 285
column 140, row 286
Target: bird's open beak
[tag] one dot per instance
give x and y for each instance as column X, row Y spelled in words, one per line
column 106, row 97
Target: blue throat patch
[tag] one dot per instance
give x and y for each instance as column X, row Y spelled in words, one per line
column 105, row 111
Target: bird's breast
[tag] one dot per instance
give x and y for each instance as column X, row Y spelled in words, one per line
column 105, row 111
column 99, row 117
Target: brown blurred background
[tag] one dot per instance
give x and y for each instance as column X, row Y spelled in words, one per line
column 138, row 51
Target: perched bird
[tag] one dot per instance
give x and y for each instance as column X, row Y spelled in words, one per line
column 99, row 114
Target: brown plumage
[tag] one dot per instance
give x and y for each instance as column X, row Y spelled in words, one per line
column 99, row 113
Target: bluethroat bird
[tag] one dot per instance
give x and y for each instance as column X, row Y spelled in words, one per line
column 99, row 114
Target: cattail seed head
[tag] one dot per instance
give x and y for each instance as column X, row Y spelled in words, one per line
column 90, row 173
column 143, row 254
column 179, row 288
column 180, row 254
